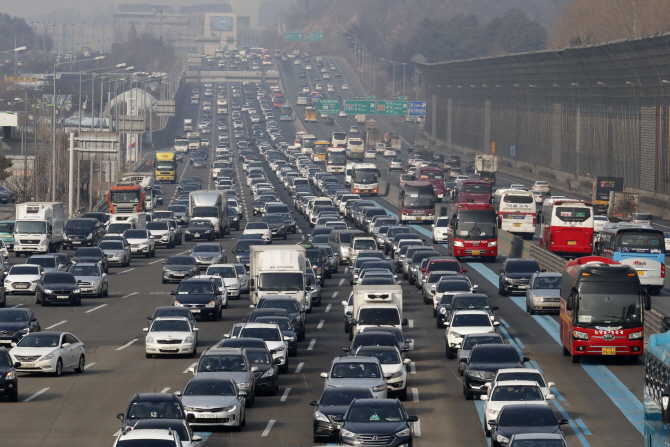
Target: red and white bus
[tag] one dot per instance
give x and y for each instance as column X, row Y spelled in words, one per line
column 435, row 177
column 278, row 99
column 221, row 107
column 416, row 202
column 473, row 230
column 566, row 227
column 475, row 191
column 517, row 212
column 601, row 309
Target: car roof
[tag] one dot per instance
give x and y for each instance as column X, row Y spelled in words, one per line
column 171, row 318
column 153, row 397
column 471, row 312
column 380, row 348
column 149, row 434
column 530, row 436
column 517, row 382
column 355, row 359
column 261, row 325
column 376, row 402
column 86, row 264
column 513, row 370
column 221, row 350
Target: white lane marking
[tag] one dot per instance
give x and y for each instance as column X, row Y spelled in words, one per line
column 285, row 395
column 410, row 323
column 334, row 294
column 412, row 368
column 346, row 270
column 192, row 366
column 57, row 324
column 299, row 368
column 311, row 344
column 266, row 432
column 183, row 252
column 42, row 391
column 127, row 344
column 299, row 231
column 411, row 345
column 302, row 237
column 156, row 261
column 116, row 434
column 341, row 282
column 89, row 365
column 125, row 271
column 130, row 294
column 95, row 308
column 321, row 324
column 328, row 307
column 417, row 428
column 165, row 390
column 18, row 305
column 415, row 394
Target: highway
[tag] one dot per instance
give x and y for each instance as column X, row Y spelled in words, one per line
column 602, row 401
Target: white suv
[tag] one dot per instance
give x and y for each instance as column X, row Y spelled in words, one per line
column 465, row 322
column 158, row 438
column 440, row 230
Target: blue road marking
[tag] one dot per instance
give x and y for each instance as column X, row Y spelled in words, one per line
column 559, row 396
column 204, row 435
column 618, row 393
column 480, row 411
column 503, row 322
column 536, row 366
column 583, row 427
column 518, row 342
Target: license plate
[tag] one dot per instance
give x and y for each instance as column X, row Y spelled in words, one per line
column 419, row 218
column 169, row 348
column 21, row 286
column 206, row 416
column 197, row 234
column 62, row 297
column 572, row 242
column 517, row 225
column 640, row 273
column 27, row 365
column 76, row 242
column 475, row 252
column 609, row 351
column 179, row 275
column 195, row 311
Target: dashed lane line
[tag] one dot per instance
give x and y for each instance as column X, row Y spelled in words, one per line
column 127, row 344
column 42, row 391
column 57, row 324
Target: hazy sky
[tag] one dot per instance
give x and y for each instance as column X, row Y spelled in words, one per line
column 56, row 10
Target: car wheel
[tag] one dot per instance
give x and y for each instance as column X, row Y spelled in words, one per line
column 101, row 294
column 403, row 394
column 487, row 432
column 346, row 327
column 81, row 365
column 195, row 352
column 106, row 290
column 405, row 276
column 164, row 281
column 147, row 355
column 450, row 353
column 44, row 303
column 148, row 255
column 59, row 368
column 434, row 312
column 153, row 253
column 438, row 324
column 466, row 393
column 531, row 310
column 77, row 303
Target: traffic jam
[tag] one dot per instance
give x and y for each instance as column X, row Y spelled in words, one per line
column 323, row 265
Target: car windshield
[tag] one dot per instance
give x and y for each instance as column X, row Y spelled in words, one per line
column 243, row 245
column 442, row 223
column 355, row 370
column 199, row 224
column 524, row 266
column 385, row 356
column 223, row 272
column 265, row 334
column 177, row 208
column 547, row 282
column 466, row 302
column 211, row 363
column 173, row 312
column 473, row 225
column 518, row 416
column 521, row 375
column 155, row 410
column 135, row 234
column 365, row 244
column 273, row 219
column 205, row 211
column 257, row 226
column 469, row 342
column 287, row 281
column 110, row 245
column 195, row 288
column 7, row 227
column 170, row 326
column 78, row 224
column 94, row 252
column 495, row 354
column 517, row 393
column 40, row 341
column 539, row 443
column 374, row 413
column 85, row 270
column 283, row 323
column 470, row 320
column 12, row 315
column 180, row 260
column 24, row 270
column 210, row 388
column 44, row 262
column 59, row 278
column 376, row 316
column 206, row 249
column 290, row 306
column 117, row 228
column 157, row 225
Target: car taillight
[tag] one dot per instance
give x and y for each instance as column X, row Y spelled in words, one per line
column 662, row 270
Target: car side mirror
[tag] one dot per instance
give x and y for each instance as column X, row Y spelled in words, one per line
column 324, row 375
column 388, row 375
column 313, row 403
column 433, row 225
column 150, row 318
column 496, row 323
column 17, row 364
column 66, row 345
column 177, row 393
column 191, row 370
column 196, row 329
column 190, row 417
column 163, row 262
column 13, row 344
column 550, row 397
column 404, row 322
column 475, row 287
column 344, row 303
column 525, row 360
column 484, row 397
column 464, row 270
column 121, row 417
column 146, row 329
column 501, row 271
column 197, row 438
column 407, row 361
column 550, row 384
column 495, row 308
column 173, row 292
column 346, row 348
column 412, row 418
column 561, row 422
column 226, row 335
column 493, row 423
column 337, row 418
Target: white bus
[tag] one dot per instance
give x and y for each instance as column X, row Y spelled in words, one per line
column 517, row 213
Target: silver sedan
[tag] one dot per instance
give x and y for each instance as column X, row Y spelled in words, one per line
column 91, row 279
column 543, row 293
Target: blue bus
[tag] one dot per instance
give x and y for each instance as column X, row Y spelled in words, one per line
column 657, row 391
column 285, row 113
column 638, row 245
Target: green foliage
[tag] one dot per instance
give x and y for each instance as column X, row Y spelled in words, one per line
column 15, row 32
column 145, row 52
column 516, row 33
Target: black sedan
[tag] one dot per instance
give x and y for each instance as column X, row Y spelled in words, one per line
column 91, row 254
column 9, row 384
column 6, row 195
column 15, row 323
column 334, row 402
column 382, row 420
column 529, row 418
column 58, row 287
column 484, row 362
column 201, row 296
column 199, row 229
column 276, row 224
column 267, row 376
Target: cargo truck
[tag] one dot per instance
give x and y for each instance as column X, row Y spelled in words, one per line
column 126, row 197
column 193, row 140
column 278, row 270
column 360, row 119
column 310, row 115
column 181, row 144
column 486, row 167
column 119, row 223
column 213, row 206
column 600, row 192
column 622, row 206
column 393, row 140
column 146, row 182
column 39, row 227
column 372, row 135
column 188, row 125
column 375, row 306
column 165, row 166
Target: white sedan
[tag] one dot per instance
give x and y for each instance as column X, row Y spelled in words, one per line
column 369, row 153
column 599, row 223
column 273, row 338
column 466, row 322
column 353, row 129
column 23, row 278
column 513, row 392
column 170, row 335
column 261, row 228
column 342, row 114
column 214, row 402
column 345, row 87
column 390, row 152
column 542, row 186
column 49, row 352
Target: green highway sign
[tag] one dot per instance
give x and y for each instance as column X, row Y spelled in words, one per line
column 359, row 106
column 402, row 98
column 314, row 36
column 370, row 97
column 292, row 36
column 391, row 107
column 328, row 106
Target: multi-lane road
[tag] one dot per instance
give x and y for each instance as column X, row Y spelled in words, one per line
column 601, row 400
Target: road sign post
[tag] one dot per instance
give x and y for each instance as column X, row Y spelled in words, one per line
column 359, row 107
column 417, row 108
column 328, row 106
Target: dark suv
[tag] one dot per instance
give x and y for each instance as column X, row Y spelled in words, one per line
column 9, row 382
column 361, row 424
column 483, row 364
column 515, row 275
column 153, row 406
column 82, row 231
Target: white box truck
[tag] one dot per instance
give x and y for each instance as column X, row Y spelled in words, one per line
column 188, row 125
column 278, row 270
column 376, row 306
column 119, row 223
column 213, row 206
column 360, row 119
column 486, row 167
column 39, row 227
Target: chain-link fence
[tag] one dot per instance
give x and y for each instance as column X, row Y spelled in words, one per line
column 593, row 111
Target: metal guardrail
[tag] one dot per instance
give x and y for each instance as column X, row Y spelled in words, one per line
column 546, row 259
